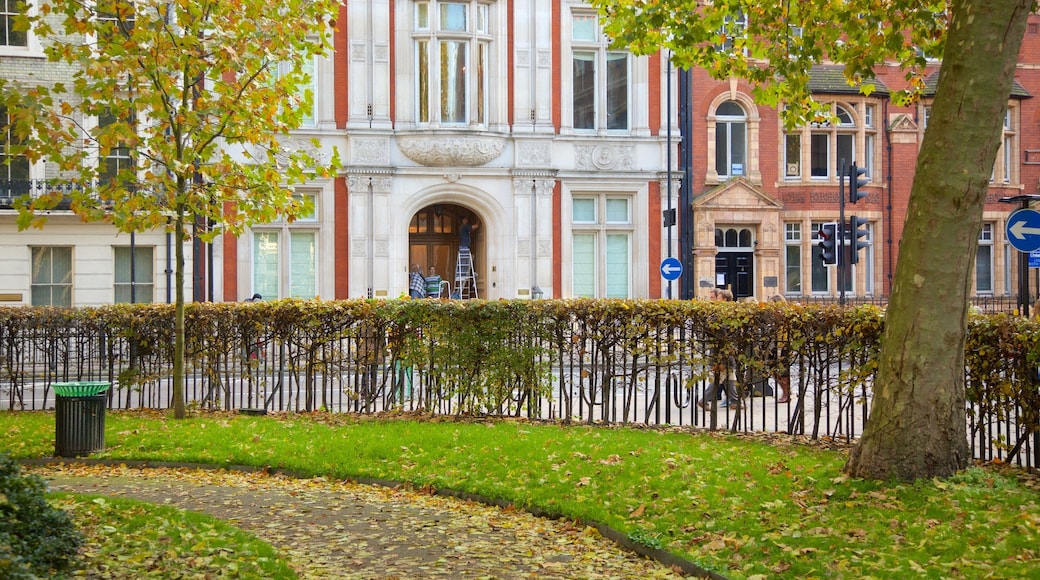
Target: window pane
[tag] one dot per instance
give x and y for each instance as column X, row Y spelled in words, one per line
column 844, row 118
column 41, row 268
column 617, row 90
column 868, row 155
column 818, row 154
column 793, row 260
column 984, row 269
column 453, row 17
column 422, row 16
column 584, row 210
column 617, row 211
column 737, row 148
column 482, row 19
column 423, row 58
column 302, row 275
column 583, row 27
column 617, row 265
column 306, row 92
column 793, row 155
column 482, row 56
column 265, row 264
column 583, row 262
column 846, row 150
column 311, row 199
column 820, row 273
column 11, row 167
column 584, row 87
column 722, row 148
column 453, row 82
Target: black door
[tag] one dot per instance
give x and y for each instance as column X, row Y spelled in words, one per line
column 735, row 270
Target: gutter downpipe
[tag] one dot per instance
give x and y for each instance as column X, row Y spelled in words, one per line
column 888, row 206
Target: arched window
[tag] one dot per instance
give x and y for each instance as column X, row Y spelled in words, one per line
column 730, row 140
column 734, row 238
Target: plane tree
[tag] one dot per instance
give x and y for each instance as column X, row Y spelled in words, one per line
column 917, row 422
column 177, row 115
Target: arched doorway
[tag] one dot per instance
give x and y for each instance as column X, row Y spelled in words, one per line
column 433, row 239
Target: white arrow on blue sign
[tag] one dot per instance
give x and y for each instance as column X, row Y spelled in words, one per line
column 671, row 268
column 1023, row 229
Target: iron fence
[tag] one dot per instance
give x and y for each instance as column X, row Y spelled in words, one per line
column 581, row 370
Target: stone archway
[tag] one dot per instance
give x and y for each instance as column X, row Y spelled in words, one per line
column 433, row 240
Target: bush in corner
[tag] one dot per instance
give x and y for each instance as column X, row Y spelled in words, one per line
column 36, row 539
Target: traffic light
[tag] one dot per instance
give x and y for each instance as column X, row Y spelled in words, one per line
column 856, row 182
column 828, row 235
column 857, row 230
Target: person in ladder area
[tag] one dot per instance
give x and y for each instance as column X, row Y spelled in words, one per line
column 466, row 233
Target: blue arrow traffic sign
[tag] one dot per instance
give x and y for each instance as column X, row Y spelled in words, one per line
column 671, row 268
column 1023, row 229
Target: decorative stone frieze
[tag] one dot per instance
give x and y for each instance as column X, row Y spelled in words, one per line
column 451, row 151
column 533, row 154
column 369, row 151
column 605, row 157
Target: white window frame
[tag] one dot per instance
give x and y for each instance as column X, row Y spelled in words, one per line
column 143, row 289
column 602, row 228
column 6, row 170
column 793, row 264
column 67, row 283
column 429, row 39
column 32, row 47
column 310, row 116
column 307, row 224
column 985, row 286
column 605, row 120
column 858, row 122
column 815, row 274
column 741, row 27
column 727, row 123
column 1005, row 170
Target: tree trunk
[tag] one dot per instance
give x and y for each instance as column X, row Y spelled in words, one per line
column 917, row 425
column 178, row 341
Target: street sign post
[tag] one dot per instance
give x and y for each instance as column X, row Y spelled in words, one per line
column 671, row 268
column 1023, row 229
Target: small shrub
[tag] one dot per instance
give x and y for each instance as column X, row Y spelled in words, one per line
column 36, row 539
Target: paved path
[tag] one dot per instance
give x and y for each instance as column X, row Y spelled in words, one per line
column 341, row 530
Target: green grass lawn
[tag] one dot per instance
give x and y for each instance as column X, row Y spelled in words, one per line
column 742, row 506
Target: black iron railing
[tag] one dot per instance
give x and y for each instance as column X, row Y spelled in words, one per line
column 562, row 367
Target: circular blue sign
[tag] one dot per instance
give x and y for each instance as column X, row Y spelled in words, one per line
column 1023, row 229
column 671, row 268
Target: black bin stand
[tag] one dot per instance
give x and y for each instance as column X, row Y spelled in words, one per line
column 79, row 421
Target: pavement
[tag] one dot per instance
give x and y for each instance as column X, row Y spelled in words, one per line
column 332, row 529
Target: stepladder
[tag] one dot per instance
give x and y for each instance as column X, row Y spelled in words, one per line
column 465, row 277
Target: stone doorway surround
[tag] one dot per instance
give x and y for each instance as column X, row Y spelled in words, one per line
column 739, row 203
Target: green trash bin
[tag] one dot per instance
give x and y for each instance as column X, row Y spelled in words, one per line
column 79, row 418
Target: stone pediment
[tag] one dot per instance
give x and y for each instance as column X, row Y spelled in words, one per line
column 902, row 123
column 737, row 194
column 434, row 149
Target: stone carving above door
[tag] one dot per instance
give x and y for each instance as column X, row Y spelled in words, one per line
column 451, row 150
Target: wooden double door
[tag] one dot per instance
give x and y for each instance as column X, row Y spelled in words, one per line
column 433, row 239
